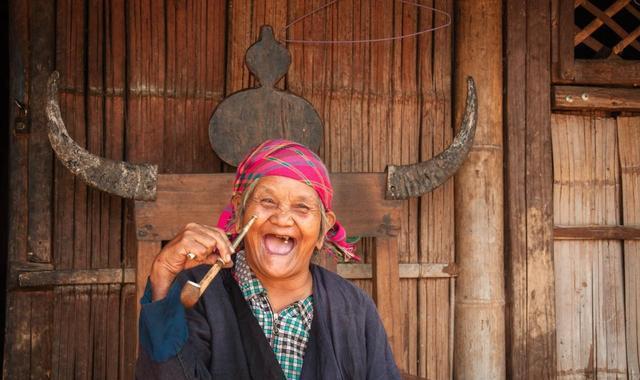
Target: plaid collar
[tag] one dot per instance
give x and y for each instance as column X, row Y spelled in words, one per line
column 252, row 288
column 249, row 284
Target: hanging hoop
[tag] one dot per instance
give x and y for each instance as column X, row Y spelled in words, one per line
column 283, row 31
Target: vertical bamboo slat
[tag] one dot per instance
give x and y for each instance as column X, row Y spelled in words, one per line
column 589, row 288
column 436, row 223
column 479, row 319
column 628, row 138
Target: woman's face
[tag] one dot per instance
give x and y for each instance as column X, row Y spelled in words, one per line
column 282, row 240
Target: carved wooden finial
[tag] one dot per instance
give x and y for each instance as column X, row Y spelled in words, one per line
column 267, row 59
column 250, row 116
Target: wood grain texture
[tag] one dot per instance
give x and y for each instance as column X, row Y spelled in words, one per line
column 201, row 197
column 42, row 35
column 18, row 327
column 589, row 279
column 599, row 98
column 628, row 137
column 596, row 232
column 530, row 314
column 386, row 290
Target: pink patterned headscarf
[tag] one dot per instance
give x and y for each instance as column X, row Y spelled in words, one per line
column 289, row 159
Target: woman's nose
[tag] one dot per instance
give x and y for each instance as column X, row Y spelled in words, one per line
column 281, row 217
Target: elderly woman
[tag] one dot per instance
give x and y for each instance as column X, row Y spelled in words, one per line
column 270, row 314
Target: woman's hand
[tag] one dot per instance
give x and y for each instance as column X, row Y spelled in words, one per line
column 205, row 242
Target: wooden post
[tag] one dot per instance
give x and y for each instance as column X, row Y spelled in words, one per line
column 479, row 349
column 386, row 291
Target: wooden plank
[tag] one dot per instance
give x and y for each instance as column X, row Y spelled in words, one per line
column 540, row 309
column 530, row 285
column 128, row 336
column 41, row 333
column 77, row 277
column 596, row 232
column 515, row 195
column 359, row 203
column 565, row 34
column 387, row 291
column 16, row 358
column 595, row 98
column 147, row 251
column 406, row 270
column 42, row 47
column 607, row 72
column 589, row 296
column 628, row 137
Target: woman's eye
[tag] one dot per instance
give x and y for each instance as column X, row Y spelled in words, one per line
column 303, row 208
column 267, row 201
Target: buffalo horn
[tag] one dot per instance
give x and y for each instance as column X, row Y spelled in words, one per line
column 413, row 180
column 133, row 181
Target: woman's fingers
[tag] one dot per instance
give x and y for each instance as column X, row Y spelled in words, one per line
column 215, row 239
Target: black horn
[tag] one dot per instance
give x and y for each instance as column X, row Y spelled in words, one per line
column 133, row 181
column 413, row 180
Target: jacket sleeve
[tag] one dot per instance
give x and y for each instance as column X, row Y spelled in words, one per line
column 174, row 342
column 380, row 362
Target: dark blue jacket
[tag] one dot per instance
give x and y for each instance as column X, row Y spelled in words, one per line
column 221, row 339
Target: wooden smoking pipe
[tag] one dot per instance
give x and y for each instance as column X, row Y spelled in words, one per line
column 191, row 291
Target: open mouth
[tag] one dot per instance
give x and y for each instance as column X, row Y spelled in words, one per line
column 279, row 244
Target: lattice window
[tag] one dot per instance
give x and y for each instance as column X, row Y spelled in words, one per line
column 596, row 42
column 607, row 29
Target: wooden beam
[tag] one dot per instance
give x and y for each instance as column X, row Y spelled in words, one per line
column 359, row 203
column 595, row 98
column 76, row 277
column 412, row 270
column 596, row 233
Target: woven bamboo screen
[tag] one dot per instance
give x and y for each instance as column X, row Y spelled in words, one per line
column 597, row 288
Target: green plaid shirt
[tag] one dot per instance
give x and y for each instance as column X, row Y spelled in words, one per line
column 287, row 331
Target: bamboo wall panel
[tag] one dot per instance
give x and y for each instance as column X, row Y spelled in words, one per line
column 88, row 223
column 381, row 103
column 590, row 316
column 139, row 81
column 628, row 140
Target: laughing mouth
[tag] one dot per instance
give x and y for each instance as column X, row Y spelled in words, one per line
column 278, row 244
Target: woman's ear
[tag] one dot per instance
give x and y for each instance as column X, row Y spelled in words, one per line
column 235, row 201
column 331, row 220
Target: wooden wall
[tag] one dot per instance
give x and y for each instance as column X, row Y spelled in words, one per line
column 139, row 80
